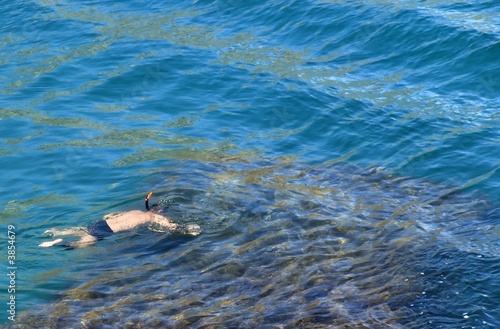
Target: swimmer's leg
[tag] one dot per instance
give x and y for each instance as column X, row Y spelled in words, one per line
column 56, row 242
column 78, row 231
column 85, row 241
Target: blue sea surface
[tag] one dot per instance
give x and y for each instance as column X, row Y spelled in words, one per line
column 341, row 157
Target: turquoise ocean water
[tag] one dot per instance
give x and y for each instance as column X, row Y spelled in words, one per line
column 341, row 157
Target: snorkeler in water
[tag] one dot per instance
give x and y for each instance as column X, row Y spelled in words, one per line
column 114, row 223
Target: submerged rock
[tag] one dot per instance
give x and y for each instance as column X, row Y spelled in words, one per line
column 284, row 245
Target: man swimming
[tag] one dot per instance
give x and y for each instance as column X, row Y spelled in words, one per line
column 114, row 223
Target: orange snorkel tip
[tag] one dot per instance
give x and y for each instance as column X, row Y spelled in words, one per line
column 147, row 199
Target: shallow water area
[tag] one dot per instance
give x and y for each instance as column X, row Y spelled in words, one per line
column 341, row 158
column 285, row 244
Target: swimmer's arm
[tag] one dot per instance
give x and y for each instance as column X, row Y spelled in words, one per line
column 163, row 221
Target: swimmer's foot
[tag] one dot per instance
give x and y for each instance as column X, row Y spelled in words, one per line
column 51, row 231
column 51, row 243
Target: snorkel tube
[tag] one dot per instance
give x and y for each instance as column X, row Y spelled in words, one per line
column 147, row 200
column 154, row 207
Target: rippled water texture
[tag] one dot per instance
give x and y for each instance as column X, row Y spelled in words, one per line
column 342, row 159
column 287, row 245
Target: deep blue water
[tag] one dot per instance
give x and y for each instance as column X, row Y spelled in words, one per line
column 342, row 159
